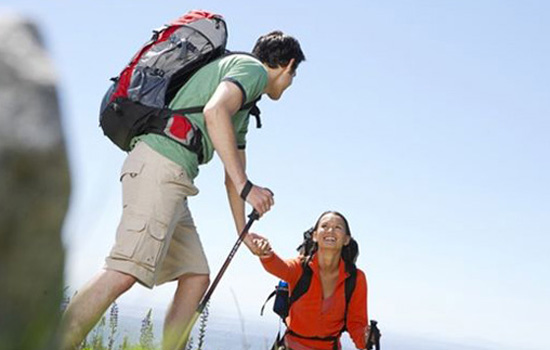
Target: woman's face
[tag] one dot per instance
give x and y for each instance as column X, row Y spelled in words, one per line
column 331, row 232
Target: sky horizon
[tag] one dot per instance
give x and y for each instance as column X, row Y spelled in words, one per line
column 424, row 122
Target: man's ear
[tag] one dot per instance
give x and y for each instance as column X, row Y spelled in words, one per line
column 288, row 67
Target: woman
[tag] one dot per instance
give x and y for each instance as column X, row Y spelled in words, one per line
column 317, row 318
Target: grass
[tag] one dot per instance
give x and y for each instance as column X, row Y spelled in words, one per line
column 105, row 334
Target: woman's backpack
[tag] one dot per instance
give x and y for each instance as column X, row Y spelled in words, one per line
column 285, row 298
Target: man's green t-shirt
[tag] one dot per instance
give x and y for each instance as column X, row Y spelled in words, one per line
column 250, row 76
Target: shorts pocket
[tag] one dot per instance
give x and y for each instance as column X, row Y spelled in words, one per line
column 128, row 236
column 131, row 168
column 177, row 180
column 151, row 247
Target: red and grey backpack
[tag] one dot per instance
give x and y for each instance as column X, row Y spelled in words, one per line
column 137, row 102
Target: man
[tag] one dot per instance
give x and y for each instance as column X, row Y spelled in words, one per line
column 156, row 240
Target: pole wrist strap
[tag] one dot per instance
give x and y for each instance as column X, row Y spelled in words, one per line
column 246, row 189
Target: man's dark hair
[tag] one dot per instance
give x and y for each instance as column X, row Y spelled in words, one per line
column 277, row 49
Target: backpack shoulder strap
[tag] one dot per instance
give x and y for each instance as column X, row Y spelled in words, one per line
column 304, row 282
column 350, row 283
column 266, row 300
column 301, row 288
column 252, row 105
column 302, row 285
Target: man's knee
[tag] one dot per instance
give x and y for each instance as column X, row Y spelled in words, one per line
column 203, row 281
column 196, row 281
column 120, row 281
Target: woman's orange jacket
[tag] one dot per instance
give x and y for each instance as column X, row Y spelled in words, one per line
column 311, row 315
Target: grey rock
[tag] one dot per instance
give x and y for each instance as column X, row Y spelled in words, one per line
column 34, row 191
column 28, row 96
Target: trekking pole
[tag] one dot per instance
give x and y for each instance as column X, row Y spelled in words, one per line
column 185, row 335
column 374, row 336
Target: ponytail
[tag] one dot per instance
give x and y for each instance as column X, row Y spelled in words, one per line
column 350, row 252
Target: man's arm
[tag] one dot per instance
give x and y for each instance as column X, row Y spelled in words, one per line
column 224, row 103
column 237, row 208
column 234, row 198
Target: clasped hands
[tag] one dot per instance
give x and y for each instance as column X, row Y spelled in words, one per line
column 258, row 245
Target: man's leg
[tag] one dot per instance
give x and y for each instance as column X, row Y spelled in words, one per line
column 90, row 303
column 191, row 288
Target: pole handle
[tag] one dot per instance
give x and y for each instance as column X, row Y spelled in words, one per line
column 253, row 216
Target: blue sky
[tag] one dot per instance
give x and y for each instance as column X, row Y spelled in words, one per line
column 425, row 122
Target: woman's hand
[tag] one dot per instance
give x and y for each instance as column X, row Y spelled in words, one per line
column 374, row 334
column 264, row 247
column 258, row 245
column 367, row 334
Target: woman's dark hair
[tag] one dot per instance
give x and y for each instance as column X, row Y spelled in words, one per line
column 350, row 252
column 277, row 49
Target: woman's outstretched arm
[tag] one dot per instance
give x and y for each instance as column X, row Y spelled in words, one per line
column 288, row 270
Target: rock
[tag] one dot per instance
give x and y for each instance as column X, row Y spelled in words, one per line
column 34, row 190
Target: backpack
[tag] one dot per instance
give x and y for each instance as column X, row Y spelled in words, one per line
column 137, row 101
column 284, row 299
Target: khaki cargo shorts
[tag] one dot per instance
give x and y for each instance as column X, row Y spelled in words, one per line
column 156, row 240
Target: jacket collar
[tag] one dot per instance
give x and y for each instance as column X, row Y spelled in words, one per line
column 342, row 273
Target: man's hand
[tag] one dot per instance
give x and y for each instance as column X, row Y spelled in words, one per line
column 260, row 199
